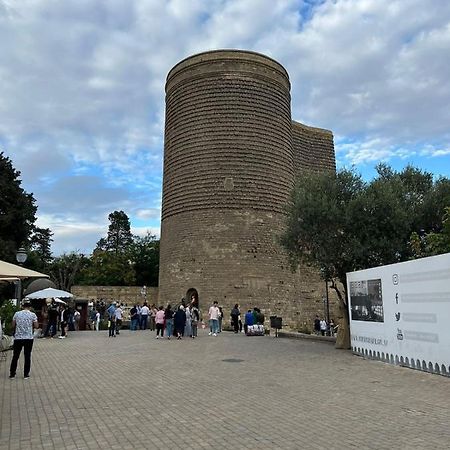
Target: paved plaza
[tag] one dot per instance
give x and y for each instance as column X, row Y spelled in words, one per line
column 231, row 391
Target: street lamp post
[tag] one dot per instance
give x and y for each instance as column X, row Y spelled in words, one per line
column 21, row 257
column 144, row 293
column 328, row 301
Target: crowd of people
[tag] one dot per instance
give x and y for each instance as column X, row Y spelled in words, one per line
column 322, row 327
column 179, row 322
column 63, row 318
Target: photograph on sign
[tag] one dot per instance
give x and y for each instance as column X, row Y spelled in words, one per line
column 366, row 300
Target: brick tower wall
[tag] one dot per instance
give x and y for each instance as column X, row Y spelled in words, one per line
column 229, row 166
column 313, row 149
column 228, row 171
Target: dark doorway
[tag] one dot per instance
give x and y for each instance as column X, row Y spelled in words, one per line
column 192, row 295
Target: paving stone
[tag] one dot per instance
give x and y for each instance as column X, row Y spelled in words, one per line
column 89, row 392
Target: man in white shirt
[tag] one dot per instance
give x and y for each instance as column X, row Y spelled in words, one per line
column 214, row 313
column 97, row 321
column 119, row 315
column 23, row 323
column 323, row 326
column 76, row 318
column 145, row 311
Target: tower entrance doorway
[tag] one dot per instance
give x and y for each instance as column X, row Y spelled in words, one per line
column 192, row 294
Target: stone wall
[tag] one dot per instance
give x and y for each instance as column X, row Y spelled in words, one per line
column 126, row 294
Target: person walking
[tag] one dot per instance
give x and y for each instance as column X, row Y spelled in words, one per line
column 195, row 318
column 188, row 326
column 134, row 318
column 97, row 321
column 145, row 312
column 168, row 320
column 24, row 322
column 331, row 327
column 214, row 314
column 152, row 317
column 159, row 322
column 220, row 319
column 112, row 319
column 52, row 321
column 76, row 318
column 118, row 314
column 317, row 325
column 64, row 321
column 179, row 321
column 235, row 318
column 138, row 307
column 323, row 326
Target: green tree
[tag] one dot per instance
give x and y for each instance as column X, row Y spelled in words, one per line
column 67, row 269
column 17, row 211
column 338, row 223
column 109, row 269
column 111, row 263
column 39, row 249
column 7, row 311
column 434, row 242
column 119, row 238
column 317, row 226
column 145, row 256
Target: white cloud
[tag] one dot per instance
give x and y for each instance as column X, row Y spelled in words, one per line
column 148, row 213
column 82, row 86
column 142, row 231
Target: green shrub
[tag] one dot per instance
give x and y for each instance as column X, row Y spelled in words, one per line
column 7, row 311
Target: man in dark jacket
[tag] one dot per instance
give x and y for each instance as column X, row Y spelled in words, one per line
column 317, row 325
column 52, row 321
column 179, row 322
column 235, row 318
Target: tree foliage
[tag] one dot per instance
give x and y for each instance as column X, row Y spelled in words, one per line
column 119, row 238
column 17, row 211
column 145, row 256
column 118, row 259
column 7, row 311
column 39, row 249
column 121, row 259
column 66, row 270
column 338, row 223
column 109, row 269
column 434, row 242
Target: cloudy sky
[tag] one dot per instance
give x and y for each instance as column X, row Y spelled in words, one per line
column 82, row 91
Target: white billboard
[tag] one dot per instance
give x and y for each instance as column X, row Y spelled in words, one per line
column 401, row 313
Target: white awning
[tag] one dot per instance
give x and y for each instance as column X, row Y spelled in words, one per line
column 10, row 271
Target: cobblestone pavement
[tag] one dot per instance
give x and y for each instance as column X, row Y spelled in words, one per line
column 231, row 391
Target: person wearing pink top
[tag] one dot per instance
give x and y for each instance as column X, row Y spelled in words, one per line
column 159, row 321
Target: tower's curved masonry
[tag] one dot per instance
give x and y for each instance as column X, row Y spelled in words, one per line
column 229, row 167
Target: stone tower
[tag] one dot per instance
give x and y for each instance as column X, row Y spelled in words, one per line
column 229, row 165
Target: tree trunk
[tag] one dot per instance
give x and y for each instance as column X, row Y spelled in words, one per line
column 343, row 335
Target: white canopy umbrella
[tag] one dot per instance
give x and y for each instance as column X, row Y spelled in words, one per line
column 50, row 293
